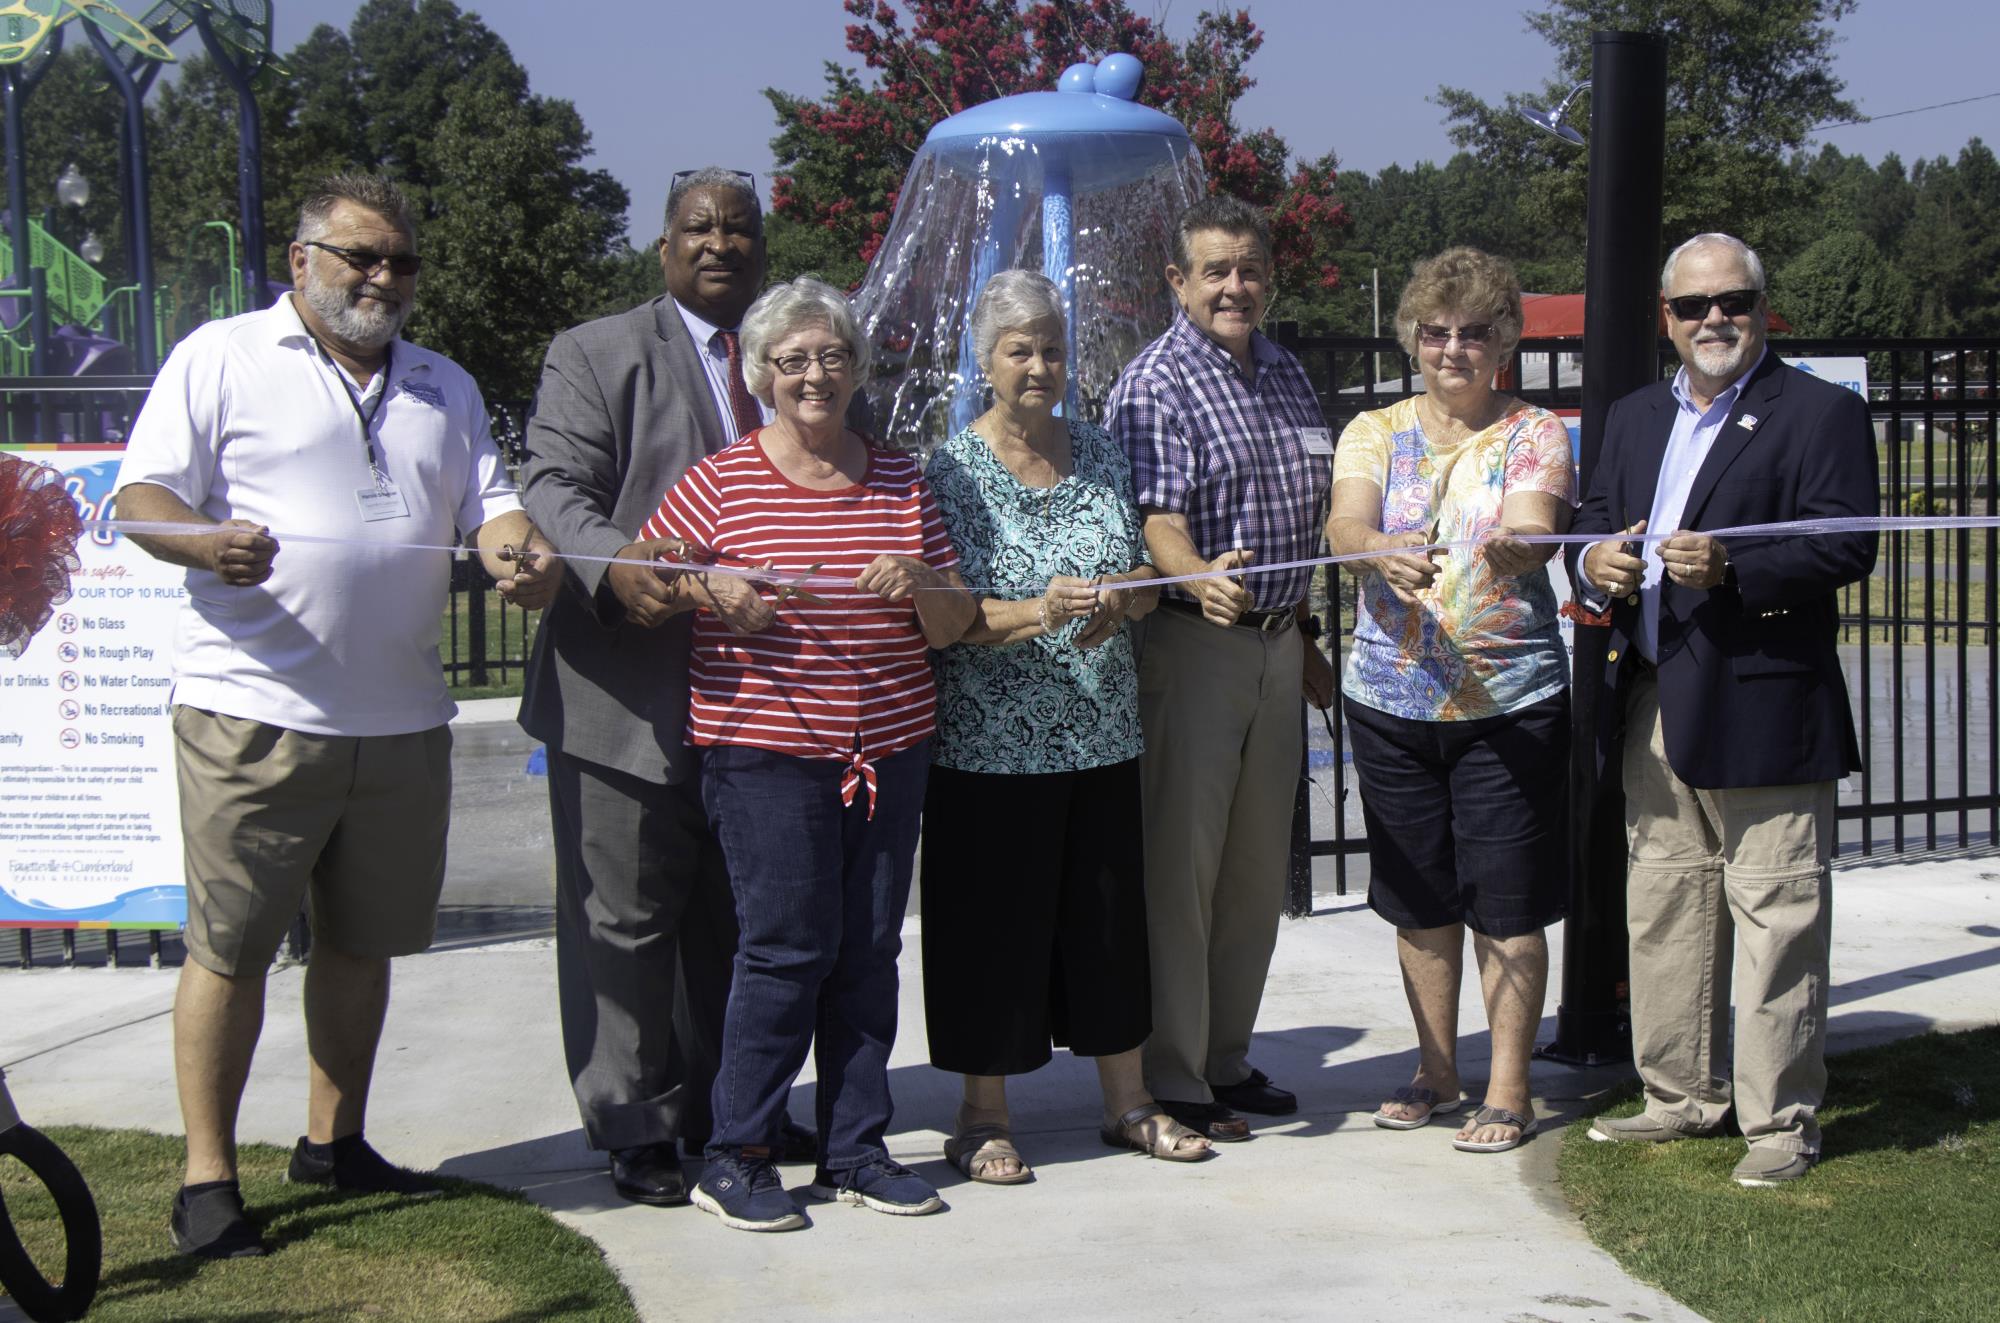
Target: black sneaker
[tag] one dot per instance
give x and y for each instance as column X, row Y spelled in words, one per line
column 747, row 1193
column 208, row 1222
column 351, row 1164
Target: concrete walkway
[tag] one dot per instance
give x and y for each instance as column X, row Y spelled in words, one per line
column 1321, row 1216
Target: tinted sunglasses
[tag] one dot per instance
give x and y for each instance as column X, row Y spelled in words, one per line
column 368, row 263
column 1439, row 337
column 1733, row 302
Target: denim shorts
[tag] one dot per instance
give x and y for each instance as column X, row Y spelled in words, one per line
column 1468, row 821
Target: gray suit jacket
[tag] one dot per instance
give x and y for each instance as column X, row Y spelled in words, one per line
column 623, row 410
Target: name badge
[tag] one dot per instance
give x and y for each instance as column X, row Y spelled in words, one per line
column 381, row 501
column 1317, row 440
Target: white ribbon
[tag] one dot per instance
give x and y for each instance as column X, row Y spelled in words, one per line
column 1782, row 529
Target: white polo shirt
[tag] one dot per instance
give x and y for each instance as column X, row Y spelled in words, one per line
column 248, row 419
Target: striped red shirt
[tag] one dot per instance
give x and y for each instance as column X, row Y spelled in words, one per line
column 850, row 679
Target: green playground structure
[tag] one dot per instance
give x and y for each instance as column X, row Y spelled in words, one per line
column 57, row 286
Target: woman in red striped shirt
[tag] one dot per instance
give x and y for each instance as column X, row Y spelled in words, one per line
column 813, row 704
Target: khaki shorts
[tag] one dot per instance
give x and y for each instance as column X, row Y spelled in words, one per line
column 271, row 816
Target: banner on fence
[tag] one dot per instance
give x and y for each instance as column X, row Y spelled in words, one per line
column 89, row 812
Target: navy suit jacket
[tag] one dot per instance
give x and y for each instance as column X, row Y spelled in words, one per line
column 1751, row 688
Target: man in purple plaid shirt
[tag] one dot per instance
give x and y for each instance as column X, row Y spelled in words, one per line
column 1231, row 461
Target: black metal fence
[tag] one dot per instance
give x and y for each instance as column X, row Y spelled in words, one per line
column 1917, row 636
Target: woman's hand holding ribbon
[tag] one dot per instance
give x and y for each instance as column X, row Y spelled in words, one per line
column 1406, row 573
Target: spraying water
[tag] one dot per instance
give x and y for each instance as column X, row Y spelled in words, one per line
column 1082, row 184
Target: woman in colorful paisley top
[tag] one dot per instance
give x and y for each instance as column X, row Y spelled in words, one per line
column 1038, row 742
column 1456, row 691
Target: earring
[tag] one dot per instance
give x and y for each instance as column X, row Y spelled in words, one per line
column 1413, row 363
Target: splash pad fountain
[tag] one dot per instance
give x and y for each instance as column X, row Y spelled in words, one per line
column 1083, row 184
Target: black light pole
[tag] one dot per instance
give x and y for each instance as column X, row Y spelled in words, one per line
column 1628, row 145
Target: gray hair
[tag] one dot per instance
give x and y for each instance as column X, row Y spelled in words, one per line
column 710, row 176
column 1012, row 301
column 1751, row 262
column 372, row 192
column 783, row 309
column 1219, row 211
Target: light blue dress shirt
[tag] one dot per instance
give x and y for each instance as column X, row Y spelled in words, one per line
column 1695, row 430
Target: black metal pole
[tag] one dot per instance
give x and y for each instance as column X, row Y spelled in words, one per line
column 249, row 162
column 1628, row 145
column 17, row 176
column 138, row 205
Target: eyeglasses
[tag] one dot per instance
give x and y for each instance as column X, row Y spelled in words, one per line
column 1440, row 337
column 743, row 175
column 833, row 361
column 368, row 263
column 1733, row 302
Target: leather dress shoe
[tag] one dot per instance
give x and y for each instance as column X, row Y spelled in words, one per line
column 796, row 1143
column 649, row 1174
column 1256, row 1094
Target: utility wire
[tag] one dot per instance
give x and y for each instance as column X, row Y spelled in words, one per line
column 1870, row 119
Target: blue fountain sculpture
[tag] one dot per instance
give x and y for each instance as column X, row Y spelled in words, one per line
column 1084, row 184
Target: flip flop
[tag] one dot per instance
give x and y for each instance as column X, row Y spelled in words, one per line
column 1484, row 1115
column 1165, row 1145
column 1416, row 1096
column 976, row 1147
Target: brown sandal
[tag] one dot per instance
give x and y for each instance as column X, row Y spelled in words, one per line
column 976, row 1147
column 1166, row 1144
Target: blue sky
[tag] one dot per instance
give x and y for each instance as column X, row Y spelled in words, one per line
column 665, row 85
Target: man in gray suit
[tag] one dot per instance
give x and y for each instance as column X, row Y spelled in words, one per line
column 645, row 923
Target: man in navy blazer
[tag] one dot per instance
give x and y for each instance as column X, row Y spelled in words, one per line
column 1726, row 704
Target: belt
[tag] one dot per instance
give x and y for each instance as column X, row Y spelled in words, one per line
column 1264, row 622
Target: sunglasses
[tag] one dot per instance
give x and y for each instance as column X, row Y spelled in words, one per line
column 743, row 175
column 368, row 263
column 1733, row 302
column 1440, row 337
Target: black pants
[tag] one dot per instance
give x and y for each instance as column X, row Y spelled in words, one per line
column 1468, row 821
column 1034, row 917
column 645, row 933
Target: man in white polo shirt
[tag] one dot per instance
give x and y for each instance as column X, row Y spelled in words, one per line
column 310, row 712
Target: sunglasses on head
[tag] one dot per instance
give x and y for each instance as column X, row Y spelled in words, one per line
column 743, row 175
column 1439, row 337
column 368, row 263
column 1733, row 302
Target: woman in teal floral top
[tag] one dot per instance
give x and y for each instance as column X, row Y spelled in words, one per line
column 1038, row 735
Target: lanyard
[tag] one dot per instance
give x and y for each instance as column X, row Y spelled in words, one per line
column 365, row 417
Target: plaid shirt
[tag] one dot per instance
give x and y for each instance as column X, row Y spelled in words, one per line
column 1227, row 451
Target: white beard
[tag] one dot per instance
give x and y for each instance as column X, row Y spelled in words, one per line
column 1720, row 360
column 361, row 320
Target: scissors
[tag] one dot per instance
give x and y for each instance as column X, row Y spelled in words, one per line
column 785, row 589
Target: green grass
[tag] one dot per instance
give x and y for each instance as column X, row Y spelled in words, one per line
column 477, row 1255
column 508, row 637
column 1900, row 1221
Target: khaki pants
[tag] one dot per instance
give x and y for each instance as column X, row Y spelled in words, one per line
column 1220, row 708
column 1706, row 866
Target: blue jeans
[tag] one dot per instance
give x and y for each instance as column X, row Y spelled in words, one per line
column 820, row 894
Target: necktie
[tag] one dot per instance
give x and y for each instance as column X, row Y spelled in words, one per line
column 742, row 403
